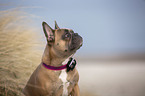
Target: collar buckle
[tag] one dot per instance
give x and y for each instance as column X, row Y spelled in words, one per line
column 71, row 64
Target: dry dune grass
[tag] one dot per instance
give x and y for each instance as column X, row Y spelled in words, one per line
column 19, row 51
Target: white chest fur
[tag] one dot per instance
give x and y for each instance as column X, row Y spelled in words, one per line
column 65, row 83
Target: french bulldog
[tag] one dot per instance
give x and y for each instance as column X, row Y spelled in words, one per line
column 51, row 77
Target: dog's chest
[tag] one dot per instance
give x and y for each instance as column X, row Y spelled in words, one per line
column 65, row 83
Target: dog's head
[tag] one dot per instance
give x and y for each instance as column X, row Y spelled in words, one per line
column 63, row 42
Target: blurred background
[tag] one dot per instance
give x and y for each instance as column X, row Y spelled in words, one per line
column 111, row 61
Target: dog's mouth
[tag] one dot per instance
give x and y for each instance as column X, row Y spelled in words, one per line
column 81, row 44
column 76, row 42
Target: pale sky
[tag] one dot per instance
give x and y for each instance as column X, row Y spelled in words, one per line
column 107, row 26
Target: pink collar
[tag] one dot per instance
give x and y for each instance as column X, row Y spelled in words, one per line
column 69, row 66
column 55, row 68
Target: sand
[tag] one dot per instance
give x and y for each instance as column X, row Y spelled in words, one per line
column 122, row 78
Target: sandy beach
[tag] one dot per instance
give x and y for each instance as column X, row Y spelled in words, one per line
column 124, row 78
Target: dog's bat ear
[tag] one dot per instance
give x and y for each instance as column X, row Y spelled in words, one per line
column 56, row 26
column 49, row 32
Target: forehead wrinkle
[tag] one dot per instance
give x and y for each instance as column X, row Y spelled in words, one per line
column 66, row 29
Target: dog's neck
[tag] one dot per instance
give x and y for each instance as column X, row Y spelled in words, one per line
column 50, row 58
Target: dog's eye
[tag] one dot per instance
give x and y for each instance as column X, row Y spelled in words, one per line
column 67, row 35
